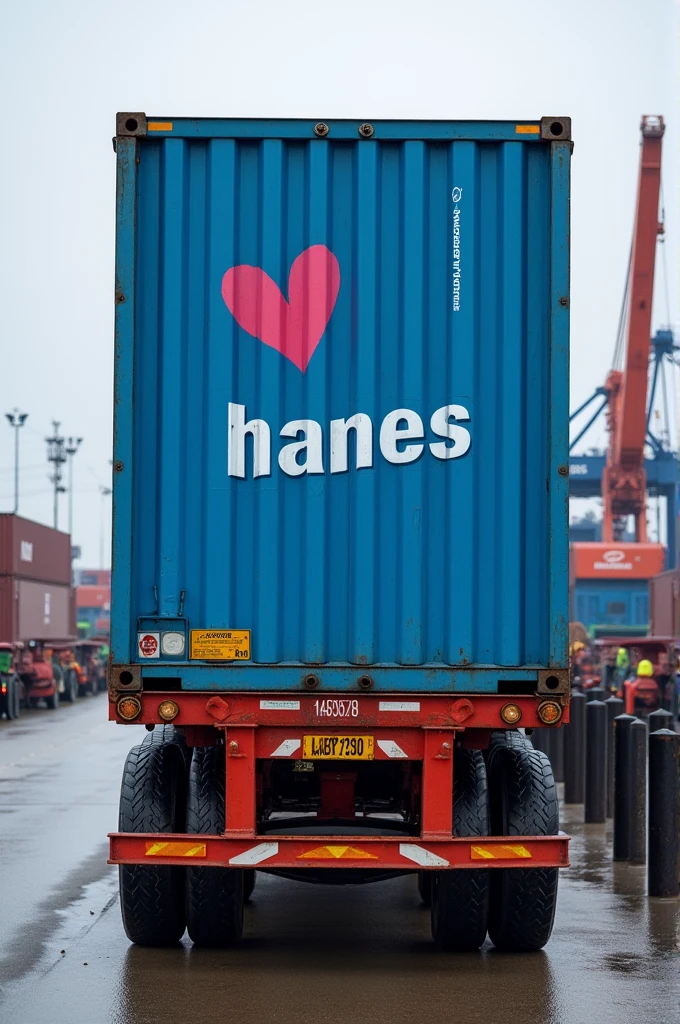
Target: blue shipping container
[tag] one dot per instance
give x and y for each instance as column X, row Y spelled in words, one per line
column 341, row 402
column 611, row 603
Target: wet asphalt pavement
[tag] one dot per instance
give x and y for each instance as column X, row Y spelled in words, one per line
column 310, row 954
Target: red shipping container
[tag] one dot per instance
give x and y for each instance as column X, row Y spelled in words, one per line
column 30, row 610
column 93, row 597
column 33, row 551
column 590, row 561
column 664, row 603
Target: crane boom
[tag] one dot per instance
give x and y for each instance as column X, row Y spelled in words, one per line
column 624, row 481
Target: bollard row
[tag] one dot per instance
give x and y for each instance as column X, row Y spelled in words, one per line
column 664, row 813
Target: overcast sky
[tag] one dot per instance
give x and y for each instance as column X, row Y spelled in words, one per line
column 67, row 67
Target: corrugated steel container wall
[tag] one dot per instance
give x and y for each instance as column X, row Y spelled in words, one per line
column 611, row 602
column 8, row 610
column 664, row 603
column 34, row 551
column 45, row 611
column 441, row 561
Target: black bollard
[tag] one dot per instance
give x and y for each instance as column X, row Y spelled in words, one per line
column 539, row 740
column 621, row 846
column 596, row 761
column 614, row 707
column 574, row 751
column 596, row 693
column 660, row 719
column 664, row 813
column 557, row 759
column 637, row 797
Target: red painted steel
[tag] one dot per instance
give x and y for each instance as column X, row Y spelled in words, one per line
column 592, row 561
column 265, row 727
column 200, row 709
column 30, row 610
column 384, row 851
column 93, row 597
column 239, row 743
column 624, row 480
column 437, row 804
column 44, row 611
column 34, row 552
column 664, row 603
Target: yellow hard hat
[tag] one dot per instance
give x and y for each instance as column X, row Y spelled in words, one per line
column 645, row 668
column 578, row 646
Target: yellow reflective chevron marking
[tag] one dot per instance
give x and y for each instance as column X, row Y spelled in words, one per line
column 176, row 849
column 499, row 852
column 337, row 853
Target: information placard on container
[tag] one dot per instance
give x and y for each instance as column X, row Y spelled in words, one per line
column 220, row 644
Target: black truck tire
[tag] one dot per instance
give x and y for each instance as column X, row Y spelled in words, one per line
column 460, row 899
column 425, row 887
column 152, row 799
column 214, row 895
column 248, row 884
column 169, row 734
column 52, row 701
column 12, row 705
column 523, row 803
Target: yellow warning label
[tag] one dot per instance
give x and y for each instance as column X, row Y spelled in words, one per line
column 220, row 644
column 180, row 848
column 337, row 853
column 527, row 129
column 159, row 126
column 498, row 852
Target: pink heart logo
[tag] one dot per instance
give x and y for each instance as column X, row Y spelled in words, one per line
column 294, row 328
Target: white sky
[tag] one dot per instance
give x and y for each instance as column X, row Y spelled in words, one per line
column 67, row 66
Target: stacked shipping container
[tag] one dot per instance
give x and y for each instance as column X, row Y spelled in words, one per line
column 664, row 601
column 36, row 596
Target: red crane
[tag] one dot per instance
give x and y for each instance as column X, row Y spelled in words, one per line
column 624, row 482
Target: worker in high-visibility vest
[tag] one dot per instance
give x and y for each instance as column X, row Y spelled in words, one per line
column 643, row 691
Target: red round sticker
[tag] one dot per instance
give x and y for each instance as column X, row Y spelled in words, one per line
column 148, row 645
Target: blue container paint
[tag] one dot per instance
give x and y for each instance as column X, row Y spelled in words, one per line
column 342, row 402
column 611, row 603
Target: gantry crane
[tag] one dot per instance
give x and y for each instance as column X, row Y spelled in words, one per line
column 624, row 483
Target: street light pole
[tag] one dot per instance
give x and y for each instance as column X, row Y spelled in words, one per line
column 16, row 420
column 56, row 455
column 105, row 493
column 72, row 446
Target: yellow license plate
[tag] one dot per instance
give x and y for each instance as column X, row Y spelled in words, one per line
column 337, row 748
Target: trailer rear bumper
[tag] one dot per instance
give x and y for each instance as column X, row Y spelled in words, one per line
column 380, row 852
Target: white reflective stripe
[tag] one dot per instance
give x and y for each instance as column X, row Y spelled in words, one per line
column 391, row 748
column 399, row 705
column 279, row 705
column 419, row 855
column 286, row 748
column 256, row 854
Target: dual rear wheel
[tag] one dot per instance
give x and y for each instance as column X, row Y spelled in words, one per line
column 165, row 789
column 513, row 793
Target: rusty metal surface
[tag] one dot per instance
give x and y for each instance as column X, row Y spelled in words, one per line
column 310, row 954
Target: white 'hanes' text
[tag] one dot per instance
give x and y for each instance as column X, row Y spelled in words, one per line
column 401, row 440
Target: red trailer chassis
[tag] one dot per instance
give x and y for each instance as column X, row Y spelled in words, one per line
column 402, row 727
